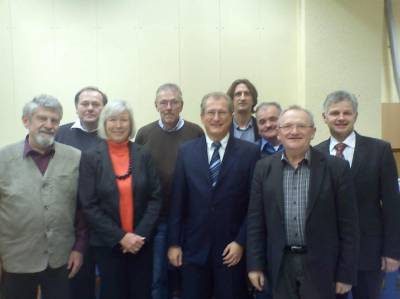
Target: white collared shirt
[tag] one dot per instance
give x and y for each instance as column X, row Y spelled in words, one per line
column 210, row 148
column 78, row 125
column 348, row 151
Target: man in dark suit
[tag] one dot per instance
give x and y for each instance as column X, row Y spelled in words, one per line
column 82, row 134
column 375, row 178
column 208, row 206
column 302, row 219
column 244, row 96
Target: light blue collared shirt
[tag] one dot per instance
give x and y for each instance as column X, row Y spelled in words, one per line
column 178, row 126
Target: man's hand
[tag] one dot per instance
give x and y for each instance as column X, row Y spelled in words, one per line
column 232, row 254
column 131, row 243
column 342, row 288
column 257, row 279
column 74, row 263
column 389, row 264
column 175, row 256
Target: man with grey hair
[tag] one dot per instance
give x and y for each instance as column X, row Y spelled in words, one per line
column 375, row 178
column 207, row 219
column 37, row 208
column 302, row 217
column 163, row 137
column 267, row 115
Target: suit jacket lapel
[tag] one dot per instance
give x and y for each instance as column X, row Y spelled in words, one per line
column 134, row 152
column 317, row 169
column 325, row 146
column 360, row 154
column 277, row 180
column 106, row 159
column 201, row 155
column 229, row 158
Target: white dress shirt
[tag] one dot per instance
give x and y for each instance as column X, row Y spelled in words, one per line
column 210, row 148
column 348, row 151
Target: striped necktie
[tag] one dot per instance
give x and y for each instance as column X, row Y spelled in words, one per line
column 215, row 163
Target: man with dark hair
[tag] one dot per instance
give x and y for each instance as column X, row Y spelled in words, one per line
column 39, row 243
column 375, row 178
column 207, row 220
column 163, row 137
column 244, row 96
column 82, row 134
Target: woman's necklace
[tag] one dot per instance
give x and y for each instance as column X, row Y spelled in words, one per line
column 129, row 171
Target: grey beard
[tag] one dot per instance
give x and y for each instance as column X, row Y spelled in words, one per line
column 44, row 140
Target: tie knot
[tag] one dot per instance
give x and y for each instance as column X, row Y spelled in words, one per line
column 340, row 147
column 216, row 145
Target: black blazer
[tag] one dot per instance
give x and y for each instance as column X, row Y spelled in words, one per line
column 375, row 180
column 99, row 195
column 331, row 229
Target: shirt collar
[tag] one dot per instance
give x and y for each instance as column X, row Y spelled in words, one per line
column 223, row 141
column 265, row 141
column 248, row 126
column 78, row 125
column 178, row 126
column 350, row 141
column 29, row 151
column 306, row 159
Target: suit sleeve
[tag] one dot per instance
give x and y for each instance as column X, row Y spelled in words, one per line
column 99, row 221
column 154, row 198
column 256, row 225
column 179, row 193
column 348, row 225
column 390, row 201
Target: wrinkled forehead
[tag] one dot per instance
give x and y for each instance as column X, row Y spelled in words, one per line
column 168, row 94
column 294, row 117
column 90, row 95
column 342, row 104
column 267, row 112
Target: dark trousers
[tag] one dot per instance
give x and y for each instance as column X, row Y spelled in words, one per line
column 369, row 284
column 214, row 280
column 294, row 282
column 53, row 284
column 125, row 276
column 82, row 286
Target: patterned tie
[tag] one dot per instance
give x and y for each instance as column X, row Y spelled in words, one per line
column 339, row 150
column 215, row 163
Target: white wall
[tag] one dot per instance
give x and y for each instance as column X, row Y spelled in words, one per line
column 295, row 51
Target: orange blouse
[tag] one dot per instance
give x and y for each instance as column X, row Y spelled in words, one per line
column 119, row 153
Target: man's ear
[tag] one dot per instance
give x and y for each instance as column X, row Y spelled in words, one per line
column 25, row 122
column 324, row 116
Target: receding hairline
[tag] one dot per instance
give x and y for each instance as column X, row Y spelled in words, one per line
column 309, row 115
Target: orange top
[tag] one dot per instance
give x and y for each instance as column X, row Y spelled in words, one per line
column 119, row 153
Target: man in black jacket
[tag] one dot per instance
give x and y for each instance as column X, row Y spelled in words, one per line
column 302, row 220
column 82, row 134
column 375, row 179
